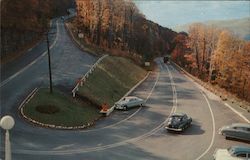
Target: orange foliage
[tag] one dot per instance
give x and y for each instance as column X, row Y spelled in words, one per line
column 118, row 24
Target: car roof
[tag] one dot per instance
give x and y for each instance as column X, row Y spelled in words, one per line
column 130, row 97
column 240, row 149
column 178, row 114
column 241, row 125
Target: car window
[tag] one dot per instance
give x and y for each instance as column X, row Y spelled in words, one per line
column 185, row 117
column 241, row 155
column 175, row 118
column 239, row 128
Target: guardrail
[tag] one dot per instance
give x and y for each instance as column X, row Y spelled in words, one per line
column 81, row 81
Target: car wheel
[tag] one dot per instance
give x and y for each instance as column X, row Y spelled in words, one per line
column 125, row 108
column 141, row 105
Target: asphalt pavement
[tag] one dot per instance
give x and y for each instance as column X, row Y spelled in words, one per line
column 134, row 134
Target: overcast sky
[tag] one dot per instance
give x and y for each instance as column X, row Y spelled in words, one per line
column 173, row 13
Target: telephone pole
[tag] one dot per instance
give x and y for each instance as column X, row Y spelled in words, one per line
column 50, row 75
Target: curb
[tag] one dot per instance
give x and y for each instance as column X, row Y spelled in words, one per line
column 110, row 110
column 28, row 98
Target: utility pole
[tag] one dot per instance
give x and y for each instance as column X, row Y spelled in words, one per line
column 50, row 75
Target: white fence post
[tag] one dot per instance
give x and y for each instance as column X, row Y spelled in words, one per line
column 74, row 93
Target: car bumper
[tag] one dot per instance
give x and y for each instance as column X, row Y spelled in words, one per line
column 173, row 129
column 119, row 107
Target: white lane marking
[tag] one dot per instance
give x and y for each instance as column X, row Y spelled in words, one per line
column 156, row 82
column 173, row 88
column 33, row 62
column 112, row 125
column 98, row 148
column 213, row 121
column 212, row 115
column 236, row 112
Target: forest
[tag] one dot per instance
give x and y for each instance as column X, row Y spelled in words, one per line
column 117, row 26
column 215, row 55
column 23, row 20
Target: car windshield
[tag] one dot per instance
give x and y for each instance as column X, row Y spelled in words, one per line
column 175, row 118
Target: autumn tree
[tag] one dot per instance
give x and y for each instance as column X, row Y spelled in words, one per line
column 231, row 60
column 202, row 41
column 117, row 25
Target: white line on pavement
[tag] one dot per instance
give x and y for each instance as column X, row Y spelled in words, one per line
column 213, row 121
column 175, row 101
column 212, row 115
column 235, row 111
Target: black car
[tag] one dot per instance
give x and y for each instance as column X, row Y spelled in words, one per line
column 178, row 122
column 165, row 59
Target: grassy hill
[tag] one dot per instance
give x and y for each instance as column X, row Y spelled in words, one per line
column 112, row 78
column 240, row 27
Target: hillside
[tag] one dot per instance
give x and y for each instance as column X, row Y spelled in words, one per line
column 118, row 80
column 118, row 27
column 240, row 27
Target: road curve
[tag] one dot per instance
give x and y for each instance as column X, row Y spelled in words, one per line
column 135, row 134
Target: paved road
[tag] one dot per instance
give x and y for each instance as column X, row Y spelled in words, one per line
column 135, row 134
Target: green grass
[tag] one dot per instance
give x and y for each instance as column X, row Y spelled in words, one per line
column 112, row 78
column 65, row 111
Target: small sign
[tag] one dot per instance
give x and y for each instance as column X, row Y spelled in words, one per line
column 80, row 35
column 147, row 64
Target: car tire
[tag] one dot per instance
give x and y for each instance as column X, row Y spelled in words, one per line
column 141, row 105
column 125, row 108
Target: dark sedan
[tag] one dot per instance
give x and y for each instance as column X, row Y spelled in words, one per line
column 178, row 122
column 239, row 131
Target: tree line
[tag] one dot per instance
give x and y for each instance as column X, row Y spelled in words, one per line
column 21, row 20
column 215, row 55
column 119, row 27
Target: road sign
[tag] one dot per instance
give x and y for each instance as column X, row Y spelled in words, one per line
column 147, row 64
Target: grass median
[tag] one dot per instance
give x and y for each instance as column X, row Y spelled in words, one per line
column 60, row 109
column 112, row 78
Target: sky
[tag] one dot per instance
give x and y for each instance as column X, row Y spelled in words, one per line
column 173, row 13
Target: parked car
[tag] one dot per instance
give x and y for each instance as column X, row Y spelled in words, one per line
column 128, row 102
column 233, row 153
column 239, row 131
column 178, row 122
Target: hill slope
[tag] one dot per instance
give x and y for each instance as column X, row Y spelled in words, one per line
column 109, row 83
